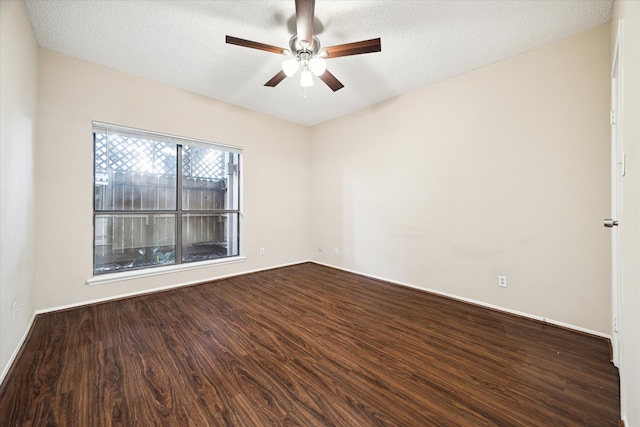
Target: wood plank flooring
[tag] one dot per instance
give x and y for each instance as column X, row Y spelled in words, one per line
column 305, row 345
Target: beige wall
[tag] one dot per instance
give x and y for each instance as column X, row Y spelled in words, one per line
column 73, row 93
column 628, row 14
column 500, row 171
column 18, row 90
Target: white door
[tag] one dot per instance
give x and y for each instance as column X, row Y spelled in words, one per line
column 617, row 172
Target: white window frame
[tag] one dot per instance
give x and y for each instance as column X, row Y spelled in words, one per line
column 153, row 270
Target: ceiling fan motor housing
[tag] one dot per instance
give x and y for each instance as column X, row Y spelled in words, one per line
column 298, row 47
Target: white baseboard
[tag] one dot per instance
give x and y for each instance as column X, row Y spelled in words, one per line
column 16, row 351
column 5, row 370
column 179, row 285
column 159, row 289
column 476, row 302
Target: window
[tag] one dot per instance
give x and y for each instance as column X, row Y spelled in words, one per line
column 162, row 200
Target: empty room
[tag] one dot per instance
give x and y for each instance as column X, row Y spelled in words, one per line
column 320, row 213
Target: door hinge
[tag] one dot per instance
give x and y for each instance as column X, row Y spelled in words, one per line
column 615, row 324
column 612, row 117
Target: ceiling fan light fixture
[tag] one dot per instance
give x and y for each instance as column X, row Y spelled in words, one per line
column 290, row 66
column 306, row 79
column 317, row 65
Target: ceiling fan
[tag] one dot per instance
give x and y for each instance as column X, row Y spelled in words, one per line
column 305, row 52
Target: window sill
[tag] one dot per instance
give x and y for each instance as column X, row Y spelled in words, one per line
column 149, row 272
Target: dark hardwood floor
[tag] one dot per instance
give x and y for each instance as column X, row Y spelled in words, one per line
column 305, row 345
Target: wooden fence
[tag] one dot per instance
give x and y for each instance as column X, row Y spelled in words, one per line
column 127, row 232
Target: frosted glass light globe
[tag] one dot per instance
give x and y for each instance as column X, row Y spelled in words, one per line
column 306, row 79
column 317, row 65
column 290, row 66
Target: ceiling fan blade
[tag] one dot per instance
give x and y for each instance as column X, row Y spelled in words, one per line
column 331, row 81
column 275, row 80
column 254, row 45
column 304, row 20
column 355, row 48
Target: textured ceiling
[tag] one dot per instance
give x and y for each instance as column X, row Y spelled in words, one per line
column 182, row 43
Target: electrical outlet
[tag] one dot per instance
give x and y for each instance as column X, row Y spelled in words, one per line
column 336, row 251
column 502, row 281
column 261, row 251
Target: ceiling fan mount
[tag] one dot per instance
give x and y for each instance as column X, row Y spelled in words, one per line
column 305, row 52
column 296, row 46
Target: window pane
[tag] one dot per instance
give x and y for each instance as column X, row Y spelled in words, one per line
column 209, row 236
column 129, row 241
column 209, row 179
column 162, row 199
column 134, row 173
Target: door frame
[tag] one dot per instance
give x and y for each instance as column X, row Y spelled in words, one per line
column 617, row 172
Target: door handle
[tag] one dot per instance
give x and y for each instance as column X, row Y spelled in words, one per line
column 609, row 223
